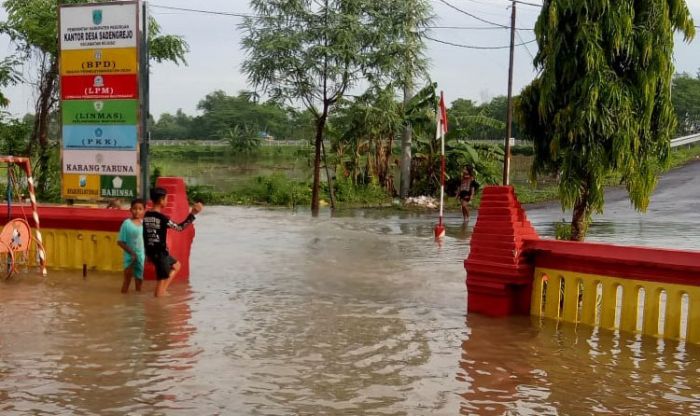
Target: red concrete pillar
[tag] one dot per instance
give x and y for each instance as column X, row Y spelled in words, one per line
column 499, row 277
column 179, row 243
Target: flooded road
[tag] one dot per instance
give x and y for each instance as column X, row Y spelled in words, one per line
column 360, row 314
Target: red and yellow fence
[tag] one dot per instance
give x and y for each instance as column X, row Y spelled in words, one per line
column 654, row 292
column 656, row 309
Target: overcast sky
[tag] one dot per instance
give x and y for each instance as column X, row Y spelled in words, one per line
column 216, row 56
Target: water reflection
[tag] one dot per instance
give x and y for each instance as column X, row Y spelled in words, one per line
column 356, row 313
column 560, row 368
column 79, row 347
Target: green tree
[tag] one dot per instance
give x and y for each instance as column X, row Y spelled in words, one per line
column 8, row 77
column 14, row 135
column 601, row 104
column 686, row 103
column 221, row 112
column 313, row 52
column 362, row 134
column 173, row 127
column 31, row 25
column 243, row 139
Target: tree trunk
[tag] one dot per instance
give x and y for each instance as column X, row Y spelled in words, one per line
column 315, row 190
column 41, row 125
column 579, row 218
column 406, row 143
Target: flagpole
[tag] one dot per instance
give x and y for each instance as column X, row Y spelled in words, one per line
column 440, row 131
column 442, row 168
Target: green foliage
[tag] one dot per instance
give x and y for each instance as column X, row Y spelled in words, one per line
column 156, row 173
column 469, row 121
column 165, row 48
column 351, row 194
column 363, row 133
column 601, row 103
column 562, row 231
column 313, row 52
column 686, row 103
column 174, row 127
column 14, row 136
column 276, row 189
column 525, row 150
column 221, row 112
column 242, row 139
column 8, row 76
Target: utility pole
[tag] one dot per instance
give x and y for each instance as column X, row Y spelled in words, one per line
column 509, row 116
column 145, row 106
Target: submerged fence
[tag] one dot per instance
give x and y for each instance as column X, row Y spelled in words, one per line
column 644, row 290
column 510, row 270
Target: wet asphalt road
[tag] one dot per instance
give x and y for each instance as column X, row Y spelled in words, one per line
column 672, row 220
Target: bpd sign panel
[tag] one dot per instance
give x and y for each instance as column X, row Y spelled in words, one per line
column 101, row 113
column 99, row 61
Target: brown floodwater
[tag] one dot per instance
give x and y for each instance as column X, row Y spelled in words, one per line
column 360, row 314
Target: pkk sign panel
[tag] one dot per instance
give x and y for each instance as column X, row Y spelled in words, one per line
column 100, row 162
column 99, row 26
column 108, row 137
column 121, row 112
column 81, row 187
column 118, row 187
column 99, row 61
column 99, row 87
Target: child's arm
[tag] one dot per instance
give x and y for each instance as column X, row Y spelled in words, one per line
column 128, row 249
column 196, row 209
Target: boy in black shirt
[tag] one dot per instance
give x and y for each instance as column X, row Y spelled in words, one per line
column 155, row 231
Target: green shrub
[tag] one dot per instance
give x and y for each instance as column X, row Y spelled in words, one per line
column 523, row 150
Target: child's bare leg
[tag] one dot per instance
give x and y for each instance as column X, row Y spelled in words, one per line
column 127, row 280
column 160, row 288
column 173, row 272
column 465, row 210
column 138, row 283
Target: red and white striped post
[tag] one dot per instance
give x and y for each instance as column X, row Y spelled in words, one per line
column 440, row 131
column 26, row 164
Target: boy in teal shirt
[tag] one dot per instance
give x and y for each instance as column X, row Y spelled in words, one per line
column 131, row 241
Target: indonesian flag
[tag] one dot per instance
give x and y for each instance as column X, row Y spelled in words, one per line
column 443, row 113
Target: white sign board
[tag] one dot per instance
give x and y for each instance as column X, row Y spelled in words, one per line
column 108, row 162
column 109, row 25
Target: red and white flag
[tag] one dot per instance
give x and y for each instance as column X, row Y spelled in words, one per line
column 443, row 113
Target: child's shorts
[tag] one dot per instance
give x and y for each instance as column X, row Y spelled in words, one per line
column 138, row 267
column 163, row 264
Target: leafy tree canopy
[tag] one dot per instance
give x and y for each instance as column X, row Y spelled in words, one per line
column 686, row 103
column 601, row 104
